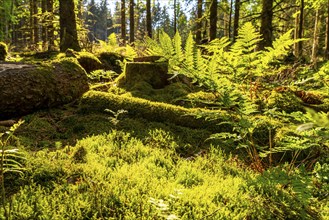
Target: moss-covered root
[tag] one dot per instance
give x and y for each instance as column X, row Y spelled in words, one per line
column 94, row 101
column 3, row 51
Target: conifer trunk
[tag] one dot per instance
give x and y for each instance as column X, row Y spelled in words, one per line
column 266, row 28
column 327, row 33
column 199, row 23
column 148, row 18
column 236, row 19
column 316, row 37
column 213, row 20
column 123, row 21
column 131, row 22
column 68, row 26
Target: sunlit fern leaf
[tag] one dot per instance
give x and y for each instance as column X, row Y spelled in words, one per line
column 190, row 52
column 247, row 40
column 280, row 48
column 178, row 51
column 166, row 44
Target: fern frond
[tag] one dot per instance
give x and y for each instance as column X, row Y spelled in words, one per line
column 190, row 52
column 178, row 51
column 280, row 48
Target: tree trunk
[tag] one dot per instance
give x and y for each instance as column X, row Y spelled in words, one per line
column 148, row 18
column 131, row 21
column 44, row 21
column 316, row 37
column 35, row 22
column 327, row 34
column 68, row 26
column 266, row 29
column 50, row 26
column 123, row 21
column 299, row 45
column 31, row 23
column 199, row 23
column 26, row 88
column 230, row 20
column 236, row 19
column 213, row 20
column 175, row 16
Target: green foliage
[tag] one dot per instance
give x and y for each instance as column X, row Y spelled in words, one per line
column 89, row 61
column 102, row 75
column 3, row 51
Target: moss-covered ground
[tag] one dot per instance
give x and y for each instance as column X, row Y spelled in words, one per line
column 173, row 153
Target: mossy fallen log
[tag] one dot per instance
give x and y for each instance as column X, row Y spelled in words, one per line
column 94, row 101
column 26, row 88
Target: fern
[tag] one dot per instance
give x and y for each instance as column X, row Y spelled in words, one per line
column 190, row 52
column 281, row 47
column 178, row 51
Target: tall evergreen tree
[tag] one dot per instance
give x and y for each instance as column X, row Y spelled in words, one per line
column 148, row 18
column 266, row 28
column 68, row 26
column 123, row 21
column 213, row 20
column 131, row 21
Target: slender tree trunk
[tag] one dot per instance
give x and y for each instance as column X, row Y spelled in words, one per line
column 226, row 18
column 299, row 46
column 266, row 29
column 148, row 18
column 131, row 22
column 123, row 21
column 230, row 20
column 236, row 19
column 315, row 46
column 35, row 22
column 68, row 26
column 44, row 21
column 50, row 26
column 31, row 23
column 199, row 23
column 175, row 16
column 327, row 34
column 213, row 20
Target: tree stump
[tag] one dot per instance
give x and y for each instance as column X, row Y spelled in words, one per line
column 154, row 73
column 25, row 88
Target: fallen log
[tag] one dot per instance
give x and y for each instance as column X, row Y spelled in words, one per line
column 26, row 88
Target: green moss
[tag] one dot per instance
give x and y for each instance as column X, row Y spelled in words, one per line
column 155, row 74
column 3, row 51
column 89, row 61
column 111, row 61
column 285, row 101
column 154, row 111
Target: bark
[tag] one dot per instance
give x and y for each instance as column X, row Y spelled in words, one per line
column 236, row 19
column 131, row 22
column 315, row 46
column 266, row 28
column 175, row 16
column 50, row 26
column 27, row 88
column 68, row 26
column 213, row 20
column 148, row 18
column 123, row 21
column 44, row 26
column 35, row 23
column 230, row 20
column 327, row 34
column 31, row 22
column 199, row 23
column 299, row 45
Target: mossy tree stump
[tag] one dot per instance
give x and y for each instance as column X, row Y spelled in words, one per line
column 26, row 88
column 154, row 73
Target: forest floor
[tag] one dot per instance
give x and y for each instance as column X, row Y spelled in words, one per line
column 136, row 153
